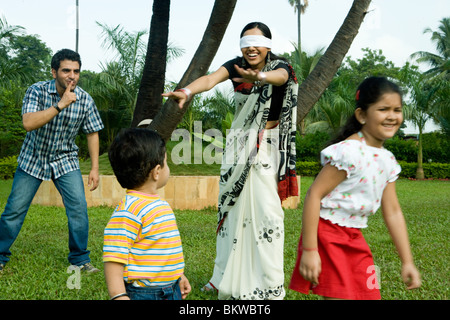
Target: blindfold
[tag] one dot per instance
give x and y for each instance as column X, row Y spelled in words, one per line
column 255, row 41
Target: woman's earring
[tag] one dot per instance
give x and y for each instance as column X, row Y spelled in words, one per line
column 363, row 122
column 244, row 64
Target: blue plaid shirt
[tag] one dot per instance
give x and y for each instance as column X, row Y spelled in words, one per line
column 50, row 151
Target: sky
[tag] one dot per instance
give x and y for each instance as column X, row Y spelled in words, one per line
column 394, row 26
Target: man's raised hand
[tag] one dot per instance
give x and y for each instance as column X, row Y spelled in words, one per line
column 68, row 97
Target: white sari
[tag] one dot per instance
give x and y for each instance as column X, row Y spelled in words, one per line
column 256, row 162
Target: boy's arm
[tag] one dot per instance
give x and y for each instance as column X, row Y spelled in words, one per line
column 114, row 280
column 185, row 286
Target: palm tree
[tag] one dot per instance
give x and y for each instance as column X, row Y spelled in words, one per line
column 9, row 70
column 7, row 31
column 310, row 90
column 439, row 71
column 168, row 117
column 300, row 8
column 217, row 109
column 303, row 65
column 159, row 53
column 422, row 108
column 333, row 109
column 303, row 62
column 129, row 49
column 319, row 79
column 149, row 100
column 440, row 62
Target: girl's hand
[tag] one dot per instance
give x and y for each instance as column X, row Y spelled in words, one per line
column 310, row 266
column 411, row 276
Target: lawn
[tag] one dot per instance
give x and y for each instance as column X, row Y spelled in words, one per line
column 39, row 269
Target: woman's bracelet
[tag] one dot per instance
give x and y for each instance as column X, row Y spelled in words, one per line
column 263, row 77
column 263, row 80
column 119, row 295
column 186, row 91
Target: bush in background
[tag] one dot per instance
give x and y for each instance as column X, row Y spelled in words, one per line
column 431, row 170
column 8, row 166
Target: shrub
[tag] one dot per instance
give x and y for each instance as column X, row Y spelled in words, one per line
column 308, row 147
column 431, row 170
column 8, row 166
column 435, row 148
column 308, row 168
column 404, row 150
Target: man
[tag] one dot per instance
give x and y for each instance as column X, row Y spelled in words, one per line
column 53, row 112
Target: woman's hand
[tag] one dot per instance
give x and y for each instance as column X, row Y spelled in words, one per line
column 178, row 96
column 247, row 75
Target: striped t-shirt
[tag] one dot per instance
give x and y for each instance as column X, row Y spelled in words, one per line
column 142, row 234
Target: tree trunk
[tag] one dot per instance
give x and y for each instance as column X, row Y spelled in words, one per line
column 419, row 172
column 320, row 78
column 310, row 90
column 149, row 100
column 170, row 114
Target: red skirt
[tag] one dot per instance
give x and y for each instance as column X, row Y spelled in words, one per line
column 348, row 270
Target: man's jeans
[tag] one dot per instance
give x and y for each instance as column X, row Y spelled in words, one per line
column 24, row 188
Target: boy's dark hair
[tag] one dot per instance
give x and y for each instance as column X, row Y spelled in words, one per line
column 369, row 92
column 134, row 153
column 64, row 54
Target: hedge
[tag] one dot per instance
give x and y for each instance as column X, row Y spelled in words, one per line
column 8, row 166
column 436, row 147
column 431, row 170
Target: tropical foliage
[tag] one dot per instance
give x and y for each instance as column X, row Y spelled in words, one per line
column 24, row 59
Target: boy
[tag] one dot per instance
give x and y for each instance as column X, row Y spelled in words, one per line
column 142, row 248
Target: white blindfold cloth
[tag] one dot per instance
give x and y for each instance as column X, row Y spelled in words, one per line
column 255, row 41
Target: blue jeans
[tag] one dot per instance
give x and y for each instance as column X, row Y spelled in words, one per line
column 170, row 292
column 24, row 188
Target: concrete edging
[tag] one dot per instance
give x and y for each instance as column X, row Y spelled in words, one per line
column 181, row 192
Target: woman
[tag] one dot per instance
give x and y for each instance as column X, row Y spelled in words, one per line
column 258, row 168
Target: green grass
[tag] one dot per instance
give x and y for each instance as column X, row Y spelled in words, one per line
column 38, row 266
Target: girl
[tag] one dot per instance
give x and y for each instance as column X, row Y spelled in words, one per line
column 258, row 168
column 358, row 176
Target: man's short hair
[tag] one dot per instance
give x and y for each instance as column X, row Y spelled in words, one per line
column 64, row 54
column 134, row 153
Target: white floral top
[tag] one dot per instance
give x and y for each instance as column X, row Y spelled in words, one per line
column 369, row 170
